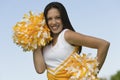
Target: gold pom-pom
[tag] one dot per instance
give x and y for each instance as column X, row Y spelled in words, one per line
column 83, row 67
column 31, row 32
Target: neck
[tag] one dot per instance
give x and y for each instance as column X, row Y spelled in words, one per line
column 55, row 36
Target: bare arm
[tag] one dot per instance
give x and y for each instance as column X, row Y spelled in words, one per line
column 39, row 61
column 88, row 41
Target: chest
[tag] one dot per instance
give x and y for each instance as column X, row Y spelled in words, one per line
column 57, row 53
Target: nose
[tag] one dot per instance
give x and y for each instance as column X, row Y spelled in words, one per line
column 53, row 21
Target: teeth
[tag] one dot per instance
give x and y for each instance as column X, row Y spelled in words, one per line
column 54, row 27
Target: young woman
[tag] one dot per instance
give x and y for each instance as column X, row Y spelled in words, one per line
column 56, row 56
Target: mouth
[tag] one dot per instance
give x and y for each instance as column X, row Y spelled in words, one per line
column 55, row 27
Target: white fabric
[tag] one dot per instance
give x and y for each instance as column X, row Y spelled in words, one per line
column 55, row 55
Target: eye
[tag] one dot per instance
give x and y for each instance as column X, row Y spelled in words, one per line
column 58, row 17
column 49, row 18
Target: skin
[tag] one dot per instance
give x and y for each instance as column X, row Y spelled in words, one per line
column 55, row 25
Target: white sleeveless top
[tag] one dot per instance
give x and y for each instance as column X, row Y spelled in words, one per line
column 57, row 54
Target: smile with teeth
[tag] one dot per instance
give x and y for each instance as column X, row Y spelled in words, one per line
column 55, row 27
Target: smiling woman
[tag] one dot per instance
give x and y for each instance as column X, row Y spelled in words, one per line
column 61, row 56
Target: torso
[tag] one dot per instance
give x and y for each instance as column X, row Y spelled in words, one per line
column 55, row 55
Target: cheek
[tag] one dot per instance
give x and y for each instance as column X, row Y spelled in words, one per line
column 48, row 23
column 60, row 22
column 49, row 26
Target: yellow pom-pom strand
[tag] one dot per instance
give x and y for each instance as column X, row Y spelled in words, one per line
column 31, row 32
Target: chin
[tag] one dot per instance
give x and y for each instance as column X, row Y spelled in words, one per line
column 56, row 32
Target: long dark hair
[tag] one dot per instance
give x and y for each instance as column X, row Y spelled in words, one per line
column 63, row 13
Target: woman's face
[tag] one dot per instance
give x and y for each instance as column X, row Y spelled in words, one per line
column 54, row 21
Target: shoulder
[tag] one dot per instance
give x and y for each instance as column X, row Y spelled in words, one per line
column 47, row 47
column 69, row 34
column 76, row 38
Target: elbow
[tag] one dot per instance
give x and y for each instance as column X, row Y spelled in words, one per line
column 104, row 45
column 107, row 44
column 40, row 71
